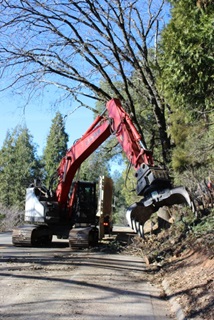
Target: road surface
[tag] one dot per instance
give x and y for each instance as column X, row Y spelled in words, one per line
column 57, row 283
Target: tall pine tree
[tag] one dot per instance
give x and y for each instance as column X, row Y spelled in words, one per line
column 55, row 149
column 18, row 166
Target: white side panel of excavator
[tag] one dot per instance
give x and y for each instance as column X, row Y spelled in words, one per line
column 34, row 210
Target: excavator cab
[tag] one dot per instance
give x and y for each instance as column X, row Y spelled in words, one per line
column 85, row 204
column 84, row 232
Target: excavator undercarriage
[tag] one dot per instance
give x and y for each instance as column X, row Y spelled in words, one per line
column 83, row 237
column 31, row 235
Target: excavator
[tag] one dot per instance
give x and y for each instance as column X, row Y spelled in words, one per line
column 55, row 212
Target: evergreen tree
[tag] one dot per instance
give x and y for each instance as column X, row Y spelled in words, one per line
column 7, row 162
column 188, row 59
column 187, row 65
column 18, row 166
column 94, row 166
column 55, row 149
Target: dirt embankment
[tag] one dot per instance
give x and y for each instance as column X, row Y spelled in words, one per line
column 186, row 263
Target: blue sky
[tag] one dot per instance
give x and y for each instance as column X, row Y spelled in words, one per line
column 38, row 119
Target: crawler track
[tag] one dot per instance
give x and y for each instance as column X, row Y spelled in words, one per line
column 31, row 235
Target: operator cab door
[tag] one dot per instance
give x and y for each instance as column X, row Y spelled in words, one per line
column 86, row 204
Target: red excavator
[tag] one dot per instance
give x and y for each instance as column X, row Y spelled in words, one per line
column 56, row 212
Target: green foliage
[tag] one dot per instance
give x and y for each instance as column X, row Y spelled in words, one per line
column 94, row 166
column 187, row 68
column 55, row 149
column 187, row 56
column 2, row 216
column 128, row 189
column 193, row 157
column 195, row 149
column 18, row 166
column 119, row 212
column 205, row 225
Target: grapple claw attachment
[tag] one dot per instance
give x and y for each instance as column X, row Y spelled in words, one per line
column 139, row 212
column 168, row 197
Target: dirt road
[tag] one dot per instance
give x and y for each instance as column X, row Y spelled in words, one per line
column 54, row 283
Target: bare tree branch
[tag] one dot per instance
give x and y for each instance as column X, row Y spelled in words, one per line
column 77, row 45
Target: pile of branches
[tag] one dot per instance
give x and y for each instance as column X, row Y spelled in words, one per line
column 187, row 232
